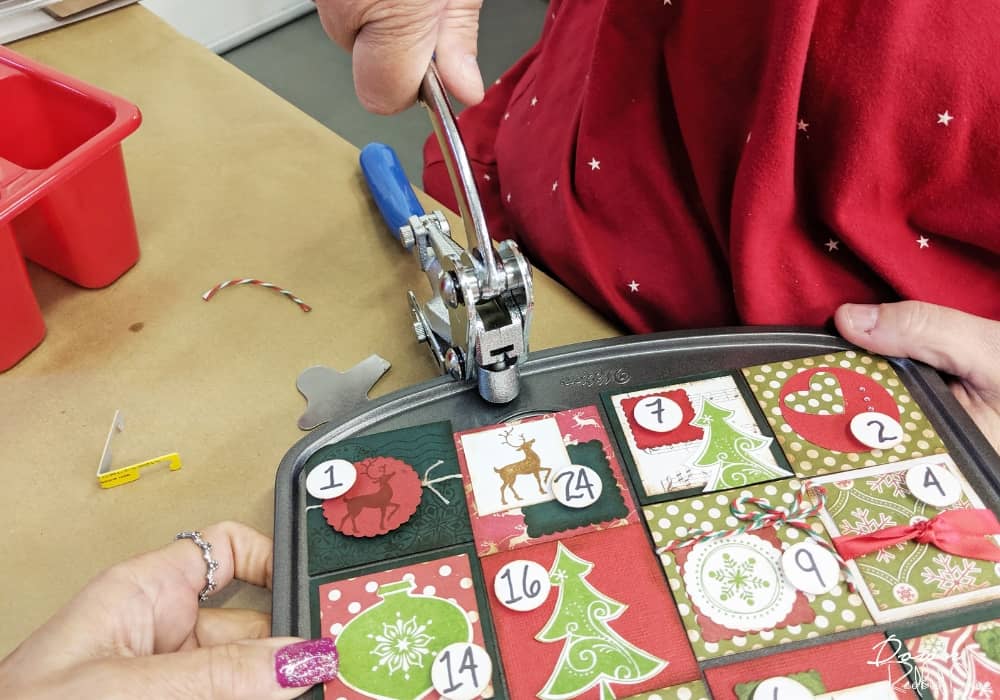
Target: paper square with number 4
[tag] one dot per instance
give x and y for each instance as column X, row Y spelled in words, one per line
column 907, row 578
column 731, row 588
column 694, row 436
column 513, row 471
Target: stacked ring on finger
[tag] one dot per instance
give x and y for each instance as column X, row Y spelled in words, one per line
column 211, row 565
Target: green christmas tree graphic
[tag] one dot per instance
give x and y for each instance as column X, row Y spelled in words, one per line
column 729, row 451
column 593, row 653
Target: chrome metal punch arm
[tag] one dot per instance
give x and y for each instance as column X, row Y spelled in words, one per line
column 477, row 320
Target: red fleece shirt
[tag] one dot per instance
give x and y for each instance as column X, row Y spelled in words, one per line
column 692, row 163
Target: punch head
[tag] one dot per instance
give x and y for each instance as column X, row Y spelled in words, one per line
column 499, row 386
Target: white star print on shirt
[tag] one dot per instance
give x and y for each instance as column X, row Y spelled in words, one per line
column 924, row 242
column 555, row 185
column 594, row 164
column 486, row 176
column 832, row 245
column 803, row 125
column 945, row 118
column 508, row 198
column 633, row 286
column 534, row 101
column 507, row 115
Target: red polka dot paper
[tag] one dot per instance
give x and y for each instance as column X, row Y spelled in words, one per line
column 448, row 579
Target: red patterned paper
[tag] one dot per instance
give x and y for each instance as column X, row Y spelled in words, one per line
column 449, row 578
column 625, row 570
column 841, row 665
column 504, row 531
column 953, row 665
column 648, row 439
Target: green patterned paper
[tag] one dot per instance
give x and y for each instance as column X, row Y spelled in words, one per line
column 435, row 524
column 746, row 602
column 831, row 389
column 810, row 679
column 695, row 690
column 906, row 579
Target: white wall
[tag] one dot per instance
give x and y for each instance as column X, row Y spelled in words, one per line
column 222, row 24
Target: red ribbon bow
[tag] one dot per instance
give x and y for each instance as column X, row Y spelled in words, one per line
column 960, row 532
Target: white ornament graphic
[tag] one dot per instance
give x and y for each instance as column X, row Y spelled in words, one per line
column 402, row 645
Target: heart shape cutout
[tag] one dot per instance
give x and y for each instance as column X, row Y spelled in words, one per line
column 824, row 397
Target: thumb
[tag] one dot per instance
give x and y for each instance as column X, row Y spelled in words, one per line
column 457, row 47
column 951, row 341
column 267, row 669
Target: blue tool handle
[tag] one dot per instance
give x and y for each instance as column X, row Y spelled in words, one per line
column 388, row 184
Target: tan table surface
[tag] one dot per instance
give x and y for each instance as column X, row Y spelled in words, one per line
column 228, row 180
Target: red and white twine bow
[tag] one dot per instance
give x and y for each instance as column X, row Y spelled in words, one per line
column 257, row 283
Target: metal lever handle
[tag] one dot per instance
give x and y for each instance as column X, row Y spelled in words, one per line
column 433, row 96
column 387, row 181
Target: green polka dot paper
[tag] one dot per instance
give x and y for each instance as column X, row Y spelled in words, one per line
column 782, row 615
column 810, row 402
column 695, row 690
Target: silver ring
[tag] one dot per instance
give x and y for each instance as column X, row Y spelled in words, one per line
column 211, row 566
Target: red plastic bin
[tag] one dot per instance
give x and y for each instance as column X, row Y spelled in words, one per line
column 64, row 197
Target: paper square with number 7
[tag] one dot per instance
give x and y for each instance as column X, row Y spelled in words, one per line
column 694, row 436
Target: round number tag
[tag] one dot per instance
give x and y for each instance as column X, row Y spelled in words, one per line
column 782, row 689
column 810, row 568
column 575, row 485
column 522, row 585
column 933, row 484
column 462, row 671
column 331, row 479
column 876, row 430
column 658, row 413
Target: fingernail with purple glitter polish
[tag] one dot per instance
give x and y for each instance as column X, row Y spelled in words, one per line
column 306, row 663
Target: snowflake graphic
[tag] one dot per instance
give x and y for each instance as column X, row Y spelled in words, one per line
column 864, row 524
column 402, row 645
column 951, row 578
column 933, row 647
column 983, row 689
column 904, row 593
column 896, row 481
column 737, row 579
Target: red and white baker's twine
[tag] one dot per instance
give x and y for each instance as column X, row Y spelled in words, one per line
column 258, row 283
column 767, row 515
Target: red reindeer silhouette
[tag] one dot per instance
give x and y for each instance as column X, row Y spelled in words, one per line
column 381, row 499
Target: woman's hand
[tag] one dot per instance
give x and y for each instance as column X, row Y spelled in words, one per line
column 392, row 41
column 964, row 346
column 137, row 631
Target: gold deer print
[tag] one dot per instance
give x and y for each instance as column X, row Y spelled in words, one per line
column 531, row 464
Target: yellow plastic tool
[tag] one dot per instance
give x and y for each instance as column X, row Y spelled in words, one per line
column 108, row 478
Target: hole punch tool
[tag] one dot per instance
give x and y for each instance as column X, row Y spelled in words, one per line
column 478, row 319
